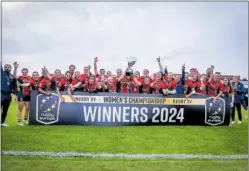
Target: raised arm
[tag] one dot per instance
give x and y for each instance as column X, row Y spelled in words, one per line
column 122, row 76
column 183, row 75
column 212, row 74
column 15, row 69
column 95, row 66
column 45, row 73
column 160, row 65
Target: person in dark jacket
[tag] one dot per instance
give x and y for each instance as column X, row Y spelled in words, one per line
column 238, row 95
column 246, row 97
column 180, row 82
column 8, row 86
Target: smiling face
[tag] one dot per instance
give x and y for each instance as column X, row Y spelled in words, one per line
column 236, row 79
column 72, row 69
column 146, row 81
column 195, row 77
column 109, row 73
column 177, row 78
column 57, row 73
column 119, row 72
column 136, row 74
column 91, row 80
column 25, row 72
column 226, row 81
column 111, row 82
column 102, row 72
column 170, row 76
column 35, row 76
column 68, row 75
column 216, row 78
column 77, row 74
column 145, row 72
column 7, row 68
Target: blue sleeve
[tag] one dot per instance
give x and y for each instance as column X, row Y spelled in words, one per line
column 241, row 89
column 183, row 76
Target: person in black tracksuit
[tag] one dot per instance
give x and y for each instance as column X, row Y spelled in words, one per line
column 8, row 86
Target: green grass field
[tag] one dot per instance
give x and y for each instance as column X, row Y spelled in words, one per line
column 131, row 140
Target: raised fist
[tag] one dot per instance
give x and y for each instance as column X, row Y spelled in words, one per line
column 96, row 60
column 158, row 59
column 15, row 65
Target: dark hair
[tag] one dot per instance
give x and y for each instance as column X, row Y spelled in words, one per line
column 8, row 65
column 57, row 70
column 35, row 72
column 71, row 66
column 68, row 72
column 25, row 69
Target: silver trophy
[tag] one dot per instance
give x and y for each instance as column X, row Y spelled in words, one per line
column 131, row 62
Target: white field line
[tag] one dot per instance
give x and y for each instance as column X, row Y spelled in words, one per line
column 124, row 156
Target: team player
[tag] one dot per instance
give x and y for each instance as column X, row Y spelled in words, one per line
column 100, row 76
column 23, row 94
column 64, row 85
column 228, row 92
column 145, row 88
column 214, row 84
column 35, row 81
column 170, row 82
column 159, row 86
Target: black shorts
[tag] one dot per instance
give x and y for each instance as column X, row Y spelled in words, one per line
column 23, row 99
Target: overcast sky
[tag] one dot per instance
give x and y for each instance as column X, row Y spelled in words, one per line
column 55, row 35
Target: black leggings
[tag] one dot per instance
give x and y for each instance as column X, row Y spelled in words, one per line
column 238, row 107
column 5, row 106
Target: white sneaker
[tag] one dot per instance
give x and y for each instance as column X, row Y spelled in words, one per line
column 239, row 122
column 26, row 122
column 4, row 124
column 230, row 125
column 232, row 122
column 20, row 124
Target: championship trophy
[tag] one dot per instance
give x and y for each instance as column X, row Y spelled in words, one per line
column 131, row 62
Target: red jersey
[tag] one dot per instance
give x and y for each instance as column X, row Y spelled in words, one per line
column 35, row 83
column 112, row 89
column 25, row 90
column 158, row 86
column 47, row 85
column 100, row 77
column 90, row 87
column 146, row 89
column 194, row 84
column 84, row 78
column 172, row 84
column 57, row 80
column 141, row 79
column 64, row 84
column 214, row 87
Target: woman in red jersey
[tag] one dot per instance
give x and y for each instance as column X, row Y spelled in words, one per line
column 24, row 88
column 64, row 85
column 159, row 86
column 146, row 86
column 35, row 81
